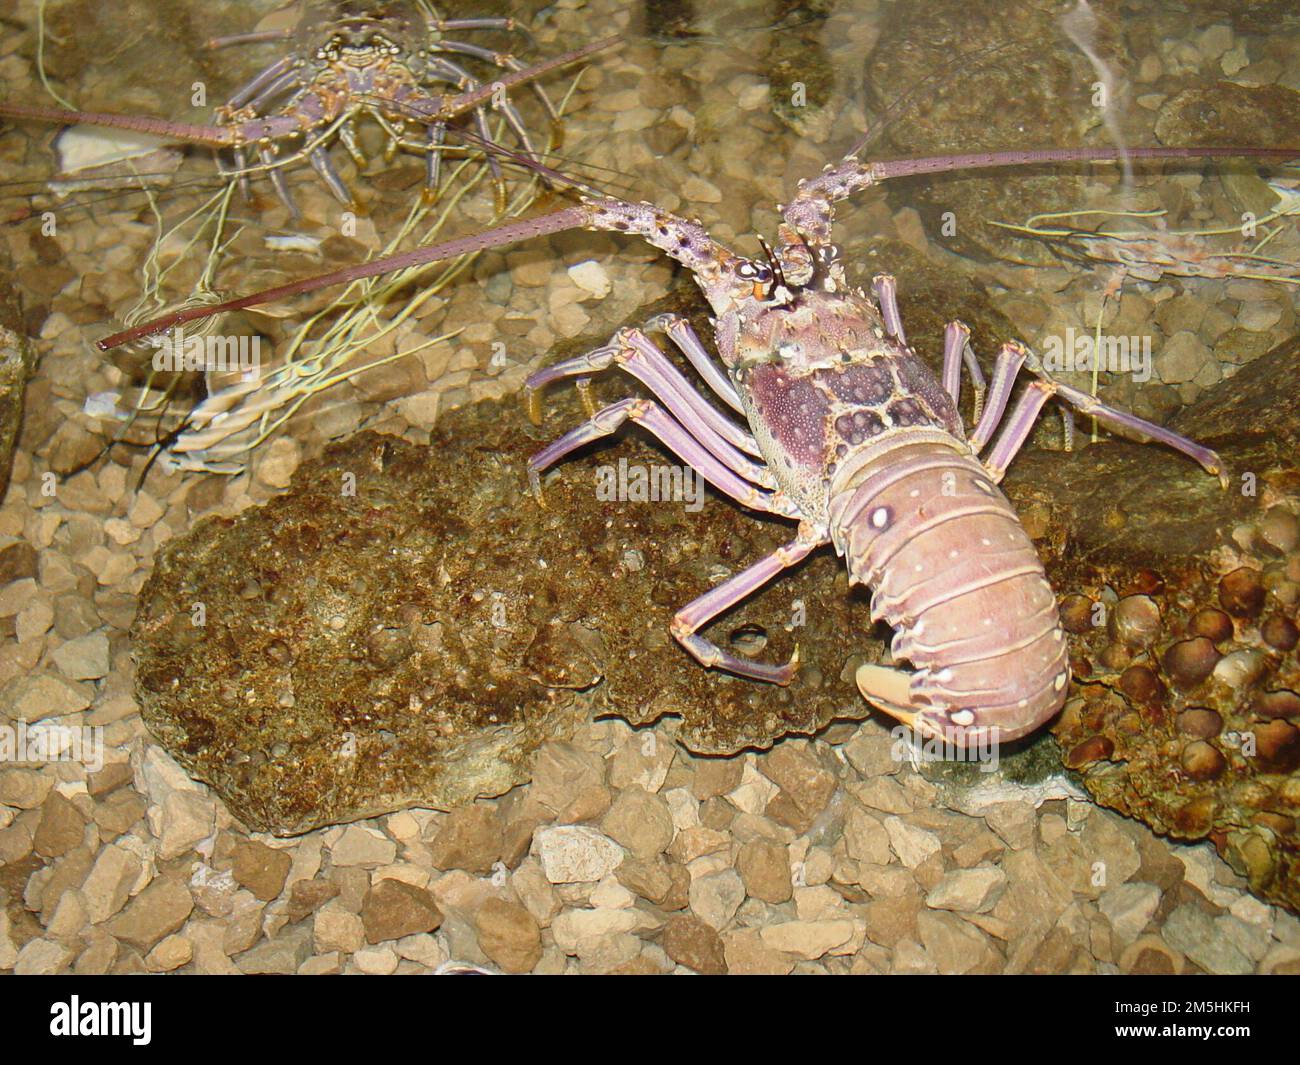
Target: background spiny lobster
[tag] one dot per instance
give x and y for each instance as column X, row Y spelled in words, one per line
column 386, row 60
column 848, row 433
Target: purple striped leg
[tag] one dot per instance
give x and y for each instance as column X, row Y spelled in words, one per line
column 679, row 331
column 675, row 438
column 885, row 289
column 956, row 350
column 1005, row 368
column 1021, row 423
column 699, row 612
column 636, row 353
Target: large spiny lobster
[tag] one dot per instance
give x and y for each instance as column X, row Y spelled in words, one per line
column 850, row 434
column 352, row 59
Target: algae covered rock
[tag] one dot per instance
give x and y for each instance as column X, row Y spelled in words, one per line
column 406, row 624
column 1181, row 599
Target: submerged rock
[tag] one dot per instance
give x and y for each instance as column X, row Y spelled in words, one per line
column 406, row 625
column 1181, row 599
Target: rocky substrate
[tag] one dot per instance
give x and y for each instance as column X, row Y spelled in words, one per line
column 625, row 852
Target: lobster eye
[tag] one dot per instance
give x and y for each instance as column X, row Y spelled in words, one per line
column 747, row 271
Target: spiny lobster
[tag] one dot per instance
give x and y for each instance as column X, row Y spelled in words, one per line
column 351, row 59
column 849, row 434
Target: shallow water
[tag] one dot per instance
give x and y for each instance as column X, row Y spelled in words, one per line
column 713, row 111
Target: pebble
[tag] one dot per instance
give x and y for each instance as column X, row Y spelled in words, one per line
column 590, row 276
column 509, row 935
column 694, row 943
column 968, row 890
column 807, row 939
column 261, row 869
column 108, row 886
column 1129, row 908
column 335, row 928
column 641, row 822
column 159, row 910
column 1181, row 358
column 1192, row 931
column 367, row 848
column 393, row 909
column 36, row 698
column 764, row 867
column 470, row 838
column 715, row 898
column 576, row 854
column 912, row 845
column 186, row 817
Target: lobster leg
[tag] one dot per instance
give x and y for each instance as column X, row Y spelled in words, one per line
column 636, row 353
column 956, row 350
column 699, row 612
column 1125, row 422
column 1021, row 423
column 321, row 162
column 885, row 289
column 1009, row 360
column 679, row 331
column 678, row 440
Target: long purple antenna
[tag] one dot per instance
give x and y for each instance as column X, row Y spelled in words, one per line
column 555, row 222
column 937, row 164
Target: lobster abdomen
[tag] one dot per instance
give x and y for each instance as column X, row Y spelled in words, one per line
column 954, row 572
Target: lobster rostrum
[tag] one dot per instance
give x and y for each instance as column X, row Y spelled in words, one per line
column 846, row 432
column 351, row 60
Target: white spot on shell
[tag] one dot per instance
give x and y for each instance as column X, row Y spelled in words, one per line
column 880, row 517
column 1059, row 682
column 963, row 718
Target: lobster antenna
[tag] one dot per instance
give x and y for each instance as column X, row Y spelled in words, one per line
column 938, row 164
column 778, row 275
column 555, row 222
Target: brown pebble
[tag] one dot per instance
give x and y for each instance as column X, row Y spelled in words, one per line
column 1135, row 621
column 1276, row 704
column 1278, row 745
column 393, row 909
column 1093, row 749
column 1200, row 723
column 1278, row 531
column 1076, row 613
column 1114, row 656
column 261, row 869
column 1189, row 662
column 1211, row 623
column 1242, row 593
column 691, row 942
column 1279, row 632
column 1202, row 761
column 1141, row 684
